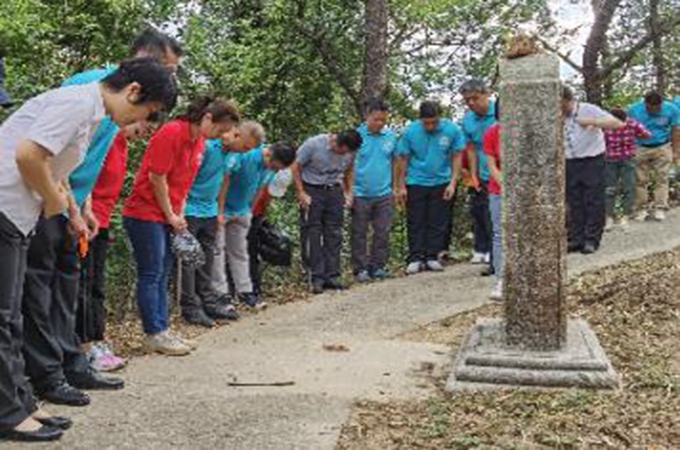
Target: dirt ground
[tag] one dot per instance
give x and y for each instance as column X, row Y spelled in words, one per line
column 635, row 310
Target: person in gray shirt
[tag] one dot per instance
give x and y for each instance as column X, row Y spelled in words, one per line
column 323, row 180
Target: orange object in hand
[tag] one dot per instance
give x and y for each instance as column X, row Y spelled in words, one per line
column 83, row 246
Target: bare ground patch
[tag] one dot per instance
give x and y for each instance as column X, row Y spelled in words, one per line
column 635, row 310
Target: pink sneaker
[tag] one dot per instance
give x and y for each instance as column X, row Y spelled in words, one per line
column 109, row 363
column 103, row 359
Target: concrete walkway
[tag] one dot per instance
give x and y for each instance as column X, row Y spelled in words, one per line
column 187, row 403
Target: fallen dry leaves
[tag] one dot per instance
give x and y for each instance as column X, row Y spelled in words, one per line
column 635, row 310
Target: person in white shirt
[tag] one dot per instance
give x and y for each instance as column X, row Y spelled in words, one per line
column 40, row 145
column 584, row 149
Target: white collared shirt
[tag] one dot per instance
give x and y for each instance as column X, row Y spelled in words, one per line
column 62, row 121
column 583, row 142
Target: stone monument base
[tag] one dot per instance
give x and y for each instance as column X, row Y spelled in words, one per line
column 486, row 362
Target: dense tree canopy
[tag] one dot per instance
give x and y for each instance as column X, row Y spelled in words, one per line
column 301, row 66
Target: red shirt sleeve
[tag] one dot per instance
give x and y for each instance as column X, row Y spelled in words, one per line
column 491, row 142
column 162, row 148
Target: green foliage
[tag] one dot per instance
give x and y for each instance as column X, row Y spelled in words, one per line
column 295, row 65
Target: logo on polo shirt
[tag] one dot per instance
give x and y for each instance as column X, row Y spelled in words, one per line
column 444, row 141
column 388, row 146
column 662, row 121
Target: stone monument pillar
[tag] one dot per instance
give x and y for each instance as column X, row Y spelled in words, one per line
column 533, row 202
column 534, row 345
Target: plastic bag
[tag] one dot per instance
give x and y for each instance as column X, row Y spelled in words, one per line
column 186, row 247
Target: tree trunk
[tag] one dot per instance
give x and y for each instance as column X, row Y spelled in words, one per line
column 658, row 59
column 375, row 69
column 604, row 11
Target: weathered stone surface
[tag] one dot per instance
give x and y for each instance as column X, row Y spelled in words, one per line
column 533, row 202
column 486, row 361
column 534, row 345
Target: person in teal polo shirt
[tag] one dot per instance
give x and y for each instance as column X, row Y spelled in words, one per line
column 243, row 181
column 201, row 305
column 373, row 203
column 53, row 271
column 430, row 152
column 481, row 115
column 655, row 155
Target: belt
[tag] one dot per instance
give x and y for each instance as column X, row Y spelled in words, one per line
column 325, row 187
column 655, row 145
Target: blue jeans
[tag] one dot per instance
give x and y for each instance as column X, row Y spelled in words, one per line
column 496, row 210
column 151, row 245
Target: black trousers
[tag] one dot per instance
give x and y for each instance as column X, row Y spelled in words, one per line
column 481, row 218
column 586, row 200
column 428, row 217
column 197, row 291
column 254, row 253
column 91, row 317
column 51, row 346
column 16, row 399
column 321, row 231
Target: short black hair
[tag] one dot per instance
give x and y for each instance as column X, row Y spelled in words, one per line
column 620, row 114
column 175, row 46
column 430, row 110
column 351, row 139
column 497, row 112
column 653, row 98
column 151, row 41
column 376, row 105
column 284, row 153
column 157, row 83
column 473, row 86
column 567, row 94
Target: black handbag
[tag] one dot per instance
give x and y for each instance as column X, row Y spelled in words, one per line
column 276, row 247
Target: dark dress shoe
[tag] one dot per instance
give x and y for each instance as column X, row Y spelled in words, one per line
column 199, row 318
column 334, row 284
column 91, row 380
column 317, row 287
column 65, row 394
column 219, row 311
column 252, row 300
column 574, row 248
column 589, row 249
column 42, row 434
column 62, row 423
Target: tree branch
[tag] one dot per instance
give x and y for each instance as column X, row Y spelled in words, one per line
column 566, row 58
column 628, row 55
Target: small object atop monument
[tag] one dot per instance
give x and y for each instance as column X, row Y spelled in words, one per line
column 521, row 45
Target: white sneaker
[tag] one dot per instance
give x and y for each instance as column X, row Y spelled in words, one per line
column 641, row 216
column 478, row 258
column 193, row 345
column 659, row 215
column 497, row 293
column 414, row 268
column 609, row 224
column 165, row 344
column 487, row 258
column 434, row 266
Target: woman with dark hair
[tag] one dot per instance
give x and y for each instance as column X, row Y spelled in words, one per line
column 155, row 208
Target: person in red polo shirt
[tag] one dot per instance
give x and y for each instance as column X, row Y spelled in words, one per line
column 492, row 148
column 91, row 317
column 155, row 208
